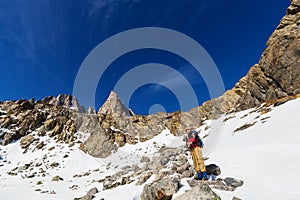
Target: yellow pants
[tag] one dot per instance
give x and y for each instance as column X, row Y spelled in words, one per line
column 198, row 159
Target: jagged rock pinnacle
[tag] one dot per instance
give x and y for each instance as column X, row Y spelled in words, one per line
column 113, row 105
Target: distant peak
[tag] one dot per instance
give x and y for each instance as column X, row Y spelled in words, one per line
column 113, row 95
column 113, row 104
column 64, row 100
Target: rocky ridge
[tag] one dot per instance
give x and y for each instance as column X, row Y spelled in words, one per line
column 64, row 100
column 22, row 117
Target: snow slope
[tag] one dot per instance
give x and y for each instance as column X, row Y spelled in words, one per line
column 266, row 156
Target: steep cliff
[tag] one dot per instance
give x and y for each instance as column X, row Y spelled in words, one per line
column 276, row 75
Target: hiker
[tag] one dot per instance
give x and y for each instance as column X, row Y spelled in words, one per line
column 194, row 143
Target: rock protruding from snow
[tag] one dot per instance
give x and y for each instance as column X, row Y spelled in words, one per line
column 218, row 185
column 233, row 182
column 160, row 190
column 85, row 197
column 64, row 100
column 92, row 191
column 113, row 105
column 26, row 141
column 99, row 144
column 203, row 192
column 57, row 178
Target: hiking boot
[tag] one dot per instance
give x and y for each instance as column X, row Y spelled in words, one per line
column 199, row 176
column 204, row 176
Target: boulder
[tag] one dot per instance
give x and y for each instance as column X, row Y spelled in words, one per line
column 218, row 184
column 6, row 139
column 233, row 182
column 26, row 141
column 99, row 144
column 160, row 190
column 180, row 169
column 57, row 178
column 202, row 193
column 187, row 174
column 92, row 191
column 145, row 159
column 144, row 177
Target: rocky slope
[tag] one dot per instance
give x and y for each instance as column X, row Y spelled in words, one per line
column 276, row 77
column 22, row 117
column 161, row 168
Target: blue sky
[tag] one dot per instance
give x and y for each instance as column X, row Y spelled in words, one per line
column 43, row 43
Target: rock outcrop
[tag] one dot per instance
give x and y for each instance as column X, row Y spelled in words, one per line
column 24, row 117
column 277, row 73
column 160, row 190
column 64, row 100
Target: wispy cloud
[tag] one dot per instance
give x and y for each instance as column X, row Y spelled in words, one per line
column 176, row 81
column 18, row 32
column 106, row 8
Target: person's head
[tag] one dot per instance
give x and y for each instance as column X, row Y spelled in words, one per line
column 188, row 129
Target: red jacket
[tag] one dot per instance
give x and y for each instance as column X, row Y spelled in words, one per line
column 194, row 139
